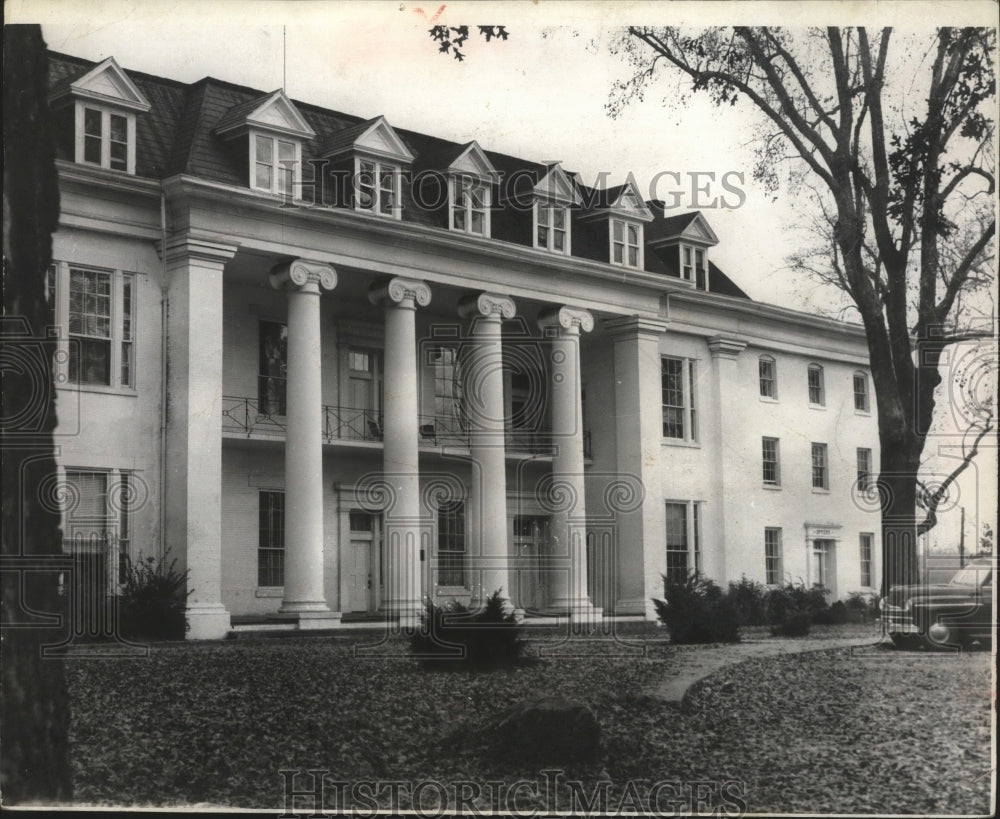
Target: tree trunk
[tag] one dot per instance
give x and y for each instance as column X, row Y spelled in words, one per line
column 34, row 703
column 897, row 487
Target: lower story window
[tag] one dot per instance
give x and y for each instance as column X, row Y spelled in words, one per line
column 866, row 559
column 97, row 519
column 451, row 544
column 772, row 556
column 683, row 539
column 271, row 539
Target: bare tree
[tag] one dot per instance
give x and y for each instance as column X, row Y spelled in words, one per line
column 895, row 169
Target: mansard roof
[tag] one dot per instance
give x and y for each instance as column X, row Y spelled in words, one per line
column 180, row 135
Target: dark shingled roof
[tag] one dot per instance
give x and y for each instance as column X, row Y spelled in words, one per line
column 177, row 135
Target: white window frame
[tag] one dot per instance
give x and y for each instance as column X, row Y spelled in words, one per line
column 690, row 271
column 864, row 471
column 862, row 379
column 866, row 549
column 773, row 381
column 469, row 183
column 689, row 405
column 692, row 533
column 824, row 451
column 276, row 164
column 776, row 461
column 773, row 575
column 463, row 508
column 380, row 166
column 820, row 386
column 120, row 335
column 625, row 244
column 549, row 206
column 106, row 112
column 280, row 549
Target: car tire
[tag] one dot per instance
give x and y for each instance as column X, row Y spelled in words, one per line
column 943, row 636
column 905, row 641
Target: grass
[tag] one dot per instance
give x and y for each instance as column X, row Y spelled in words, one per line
column 216, row 723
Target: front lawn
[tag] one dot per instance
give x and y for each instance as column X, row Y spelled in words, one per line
column 216, row 723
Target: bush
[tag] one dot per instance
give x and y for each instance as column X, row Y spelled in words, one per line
column 863, row 607
column 750, row 599
column 836, row 615
column 792, row 609
column 695, row 610
column 152, row 599
column 455, row 636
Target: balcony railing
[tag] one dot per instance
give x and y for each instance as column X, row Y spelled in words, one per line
column 253, row 418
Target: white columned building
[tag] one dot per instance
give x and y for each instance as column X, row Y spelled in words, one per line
column 566, row 491
column 401, row 463
column 482, row 372
column 193, row 496
column 304, row 598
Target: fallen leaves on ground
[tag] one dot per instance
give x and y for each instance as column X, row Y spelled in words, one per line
column 821, row 732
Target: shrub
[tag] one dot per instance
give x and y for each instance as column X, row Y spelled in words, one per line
column 455, row 636
column 793, row 608
column 152, row 599
column 750, row 599
column 863, row 607
column 836, row 615
column 695, row 610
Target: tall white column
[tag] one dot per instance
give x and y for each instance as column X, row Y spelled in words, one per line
column 482, row 374
column 730, row 465
column 304, row 598
column 640, row 559
column 194, row 438
column 400, row 433
column 566, row 495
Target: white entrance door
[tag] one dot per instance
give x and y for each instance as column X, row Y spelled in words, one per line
column 823, row 571
column 362, row 566
column 530, row 538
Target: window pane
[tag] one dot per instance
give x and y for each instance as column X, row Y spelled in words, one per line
column 451, row 544
column 92, row 122
column 119, row 156
column 619, row 230
column 264, row 176
column 92, row 149
column 271, row 539
column 633, row 257
column 119, row 128
column 618, row 254
column 273, row 364
column 558, row 217
column 265, row 150
column 677, row 541
column 559, row 240
column 633, row 235
column 767, row 386
column 286, row 151
column 542, row 240
column 477, row 222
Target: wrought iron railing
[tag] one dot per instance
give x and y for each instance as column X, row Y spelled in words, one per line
column 252, row 417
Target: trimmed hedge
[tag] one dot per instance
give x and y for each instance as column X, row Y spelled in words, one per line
column 696, row 610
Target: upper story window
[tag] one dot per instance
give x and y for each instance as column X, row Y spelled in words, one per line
column 768, row 375
column 276, row 164
column 552, row 227
column 677, row 391
column 820, row 467
column 626, row 243
column 694, row 265
column 861, row 403
column 470, row 206
column 105, row 104
column 376, row 188
column 864, row 469
column 817, row 392
column 273, row 130
column 554, row 194
column 272, row 375
column 771, row 462
column 98, row 308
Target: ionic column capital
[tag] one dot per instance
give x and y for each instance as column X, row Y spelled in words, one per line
column 570, row 319
column 301, row 274
column 404, row 292
column 487, row 305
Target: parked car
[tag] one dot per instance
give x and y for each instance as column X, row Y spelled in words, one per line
column 943, row 615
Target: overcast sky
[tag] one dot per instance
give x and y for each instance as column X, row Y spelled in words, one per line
column 541, row 94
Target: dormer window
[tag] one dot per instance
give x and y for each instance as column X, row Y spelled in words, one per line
column 470, row 206
column 626, row 243
column 376, row 187
column 694, row 265
column 276, row 162
column 105, row 103
column 374, row 157
column 273, row 130
column 552, row 227
column 554, row 195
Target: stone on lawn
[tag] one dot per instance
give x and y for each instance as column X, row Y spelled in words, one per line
column 549, row 729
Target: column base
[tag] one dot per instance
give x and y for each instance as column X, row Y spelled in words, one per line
column 309, row 620
column 207, row 622
column 407, row 613
column 579, row 610
column 634, row 606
